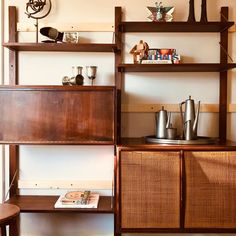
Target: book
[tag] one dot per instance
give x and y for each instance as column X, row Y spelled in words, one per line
column 163, row 54
column 78, row 199
column 157, row 62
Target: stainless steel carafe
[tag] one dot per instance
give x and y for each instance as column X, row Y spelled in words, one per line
column 163, row 122
column 189, row 119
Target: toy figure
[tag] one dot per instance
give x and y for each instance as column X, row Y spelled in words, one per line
column 140, row 51
column 161, row 13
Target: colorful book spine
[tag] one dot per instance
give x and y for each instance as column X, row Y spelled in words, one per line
column 164, row 55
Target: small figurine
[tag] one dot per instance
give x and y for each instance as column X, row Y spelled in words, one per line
column 160, row 13
column 140, row 51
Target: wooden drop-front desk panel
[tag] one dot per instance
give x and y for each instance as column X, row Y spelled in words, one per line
column 57, row 114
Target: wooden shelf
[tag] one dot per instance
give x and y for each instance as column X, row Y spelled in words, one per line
column 45, row 204
column 178, row 26
column 185, row 67
column 61, row 47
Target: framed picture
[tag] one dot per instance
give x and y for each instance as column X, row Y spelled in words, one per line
column 71, row 37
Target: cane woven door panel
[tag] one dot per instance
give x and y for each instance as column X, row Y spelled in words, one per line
column 210, row 190
column 150, row 189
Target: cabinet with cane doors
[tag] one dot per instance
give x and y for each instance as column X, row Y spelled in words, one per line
column 54, row 115
column 178, row 188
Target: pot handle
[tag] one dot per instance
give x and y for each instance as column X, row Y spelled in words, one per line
column 182, row 117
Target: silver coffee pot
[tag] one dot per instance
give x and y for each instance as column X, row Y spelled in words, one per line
column 189, row 119
column 163, row 122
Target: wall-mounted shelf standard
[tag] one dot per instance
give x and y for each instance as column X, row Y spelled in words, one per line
column 61, row 47
column 148, row 27
column 45, row 204
column 185, row 67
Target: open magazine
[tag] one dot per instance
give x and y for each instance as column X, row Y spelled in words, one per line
column 78, row 199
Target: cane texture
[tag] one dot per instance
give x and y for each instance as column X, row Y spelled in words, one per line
column 210, row 190
column 150, row 189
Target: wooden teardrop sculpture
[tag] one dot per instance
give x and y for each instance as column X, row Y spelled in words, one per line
column 203, row 12
column 191, row 16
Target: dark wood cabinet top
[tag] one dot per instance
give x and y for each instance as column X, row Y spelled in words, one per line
column 132, row 144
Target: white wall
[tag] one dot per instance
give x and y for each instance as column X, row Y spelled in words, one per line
column 69, row 162
column 2, row 173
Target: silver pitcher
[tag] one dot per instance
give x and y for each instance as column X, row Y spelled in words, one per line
column 163, row 122
column 189, row 119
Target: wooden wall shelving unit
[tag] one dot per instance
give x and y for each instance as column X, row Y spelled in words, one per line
column 87, row 96
column 137, row 159
column 45, row 203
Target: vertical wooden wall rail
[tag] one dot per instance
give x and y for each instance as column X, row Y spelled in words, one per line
column 118, row 75
column 13, row 55
column 13, row 80
column 118, row 81
column 223, row 79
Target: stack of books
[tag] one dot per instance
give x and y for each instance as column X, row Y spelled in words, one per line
column 162, row 56
column 77, row 199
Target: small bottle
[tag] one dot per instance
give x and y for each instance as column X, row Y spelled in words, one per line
column 79, row 79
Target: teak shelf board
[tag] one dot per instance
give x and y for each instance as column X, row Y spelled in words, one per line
column 185, row 67
column 61, row 47
column 178, row 26
column 45, row 204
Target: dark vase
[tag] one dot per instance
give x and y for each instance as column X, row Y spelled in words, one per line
column 191, row 16
column 204, row 12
